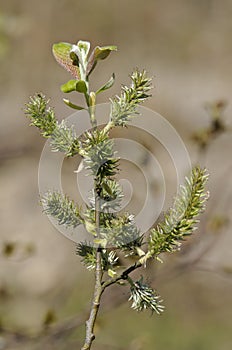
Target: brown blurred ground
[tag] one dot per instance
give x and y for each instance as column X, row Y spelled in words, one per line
column 187, row 47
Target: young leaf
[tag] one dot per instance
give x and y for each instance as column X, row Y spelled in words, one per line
column 80, row 53
column 107, row 85
column 99, row 53
column 111, row 273
column 72, row 105
column 69, row 86
column 74, row 85
column 61, row 52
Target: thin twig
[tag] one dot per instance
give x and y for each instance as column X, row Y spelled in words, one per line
column 122, row 276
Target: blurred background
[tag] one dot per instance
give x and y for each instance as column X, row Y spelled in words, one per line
column 44, row 290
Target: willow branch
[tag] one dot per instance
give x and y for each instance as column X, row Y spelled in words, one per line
column 98, row 290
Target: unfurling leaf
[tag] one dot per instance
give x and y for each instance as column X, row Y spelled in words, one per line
column 83, row 47
column 107, row 85
column 79, row 53
column 98, row 53
column 61, row 52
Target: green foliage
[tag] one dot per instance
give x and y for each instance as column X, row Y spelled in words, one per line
column 179, row 222
column 76, row 60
